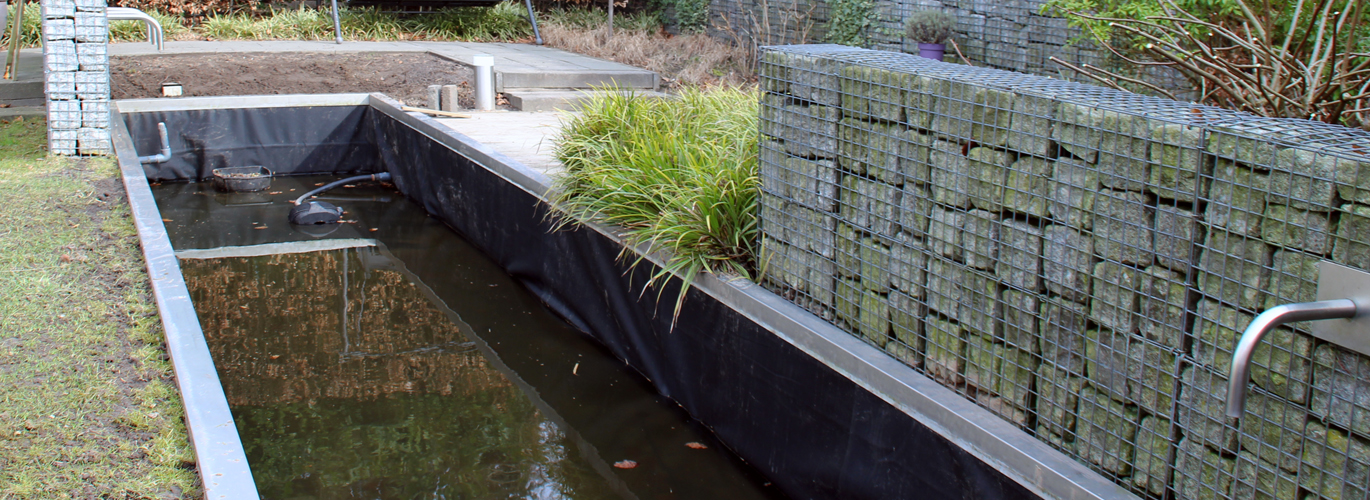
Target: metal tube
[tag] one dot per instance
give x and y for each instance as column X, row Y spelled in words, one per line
column 337, row 24
column 532, row 18
column 1263, row 324
column 485, row 81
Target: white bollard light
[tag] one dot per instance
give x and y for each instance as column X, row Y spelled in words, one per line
column 485, row 81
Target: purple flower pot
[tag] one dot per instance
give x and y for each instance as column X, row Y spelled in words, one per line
column 932, row 50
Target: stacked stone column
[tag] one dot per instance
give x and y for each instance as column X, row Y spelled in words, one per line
column 76, row 76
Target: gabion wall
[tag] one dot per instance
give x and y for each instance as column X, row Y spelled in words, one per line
column 1077, row 260
column 76, row 76
column 1009, row 35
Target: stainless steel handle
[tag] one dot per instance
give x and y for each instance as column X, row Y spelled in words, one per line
column 1269, row 320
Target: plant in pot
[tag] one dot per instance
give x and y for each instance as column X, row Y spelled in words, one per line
column 930, row 29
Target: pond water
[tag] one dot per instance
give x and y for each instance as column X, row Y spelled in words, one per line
column 387, row 358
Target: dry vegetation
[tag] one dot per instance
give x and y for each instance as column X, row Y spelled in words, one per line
column 690, row 59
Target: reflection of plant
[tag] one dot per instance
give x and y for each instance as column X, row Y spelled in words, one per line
column 1301, row 60
column 850, row 23
column 929, row 26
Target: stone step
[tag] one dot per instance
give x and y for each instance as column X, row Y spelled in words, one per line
column 24, row 111
column 28, row 81
column 538, row 99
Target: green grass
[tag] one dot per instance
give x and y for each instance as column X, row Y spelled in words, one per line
column 590, row 19
column 506, row 21
column 677, row 174
column 87, row 404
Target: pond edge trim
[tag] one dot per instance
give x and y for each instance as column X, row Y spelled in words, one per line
column 219, row 456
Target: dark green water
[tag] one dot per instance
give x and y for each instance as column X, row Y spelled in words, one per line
column 388, row 358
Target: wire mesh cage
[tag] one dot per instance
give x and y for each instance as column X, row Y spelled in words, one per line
column 1080, row 261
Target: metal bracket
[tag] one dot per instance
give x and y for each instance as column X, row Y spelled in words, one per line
column 1336, row 281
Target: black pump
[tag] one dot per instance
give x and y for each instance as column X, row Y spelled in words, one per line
column 319, row 212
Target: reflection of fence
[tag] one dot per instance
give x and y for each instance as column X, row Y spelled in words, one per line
column 1010, row 35
column 1077, row 260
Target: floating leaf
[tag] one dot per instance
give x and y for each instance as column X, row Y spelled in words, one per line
column 626, row 464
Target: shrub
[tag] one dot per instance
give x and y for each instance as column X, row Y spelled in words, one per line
column 929, row 26
column 675, row 174
column 850, row 23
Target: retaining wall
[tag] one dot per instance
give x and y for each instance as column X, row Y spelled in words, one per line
column 1078, row 260
column 76, row 76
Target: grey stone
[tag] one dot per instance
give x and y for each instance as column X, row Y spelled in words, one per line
column 799, row 226
column 1020, row 255
column 1122, row 227
column 1304, row 179
column 980, row 239
column 1020, row 319
column 870, row 149
column 1155, row 451
column 849, row 243
column 1106, row 432
column 1353, row 178
column 1123, row 151
column 915, row 149
column 1176, row 232
column 1335, row 466
column 908, row 266
column 1243, row 144
column 989, row 172
column 954, row 105
column 944, row 287
column 1177, row 162
column 1204, row 474
column 1062, row 343
column 449, row 99
column 980, row 307
column 808, row 131
column 1058, row 394
column 1237, row 199
column 870, row 93
column 1152, row 371
column 906, row 322
column 1273, row 430
column 92, row 82
column 812, row 183
column 951, row 174
column 945, row 350
column 1341, row 388
column 1202, row 411
column 1293, row 279
column 870, row 205
column 1163, row 302
column 1030, row 126
column 1298, row 229
column 982, row 362
column 774, row 72
column 1352, row 247
column 847, row 303
column 1067, row 256
column 92, row 140
column 1028, row 186
column 813, row 78
column 919, row 102
column 873, row 320
column 876, row 270
column 991, row 116
column 915, row 210
column 1016, row 369
column 1258, row 480
column 1114, row 294
column 1281, row 363
column 56, row 10
column 1106, row 361
column 904, row 353
column 434, row 94
column 1235, row 269
column 1078, row 129
column 59, row 29
column 944, row 232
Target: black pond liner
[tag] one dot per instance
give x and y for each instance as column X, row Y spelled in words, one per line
column 810, row 429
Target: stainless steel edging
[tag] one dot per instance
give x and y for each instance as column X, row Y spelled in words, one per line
column 1028, row 461
column 219, row 453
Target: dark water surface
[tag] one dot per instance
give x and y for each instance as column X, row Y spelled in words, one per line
column 387, row 358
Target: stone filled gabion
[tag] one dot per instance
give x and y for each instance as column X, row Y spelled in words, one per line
column 1078, row 261
column 76, row 76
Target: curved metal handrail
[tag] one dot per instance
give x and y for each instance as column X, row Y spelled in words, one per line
column 1263, row 324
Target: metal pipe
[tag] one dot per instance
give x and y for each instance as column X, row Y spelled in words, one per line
column 337, row 24
column 1263, row 324
column 165, row 153
column 534, row 21
column 485, row 81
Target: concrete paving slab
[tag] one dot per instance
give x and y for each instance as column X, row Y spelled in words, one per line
column 563, row 99
column 523, row 136
column 28, row 79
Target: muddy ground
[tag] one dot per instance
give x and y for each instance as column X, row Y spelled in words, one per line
column 403, row 76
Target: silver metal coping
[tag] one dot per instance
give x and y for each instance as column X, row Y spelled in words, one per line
column 274, row 248
column 1028, row 461
column 219, row 454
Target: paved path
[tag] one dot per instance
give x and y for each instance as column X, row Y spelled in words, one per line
column 523, row 136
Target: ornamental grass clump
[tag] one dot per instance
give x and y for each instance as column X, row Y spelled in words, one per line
column 678, row 174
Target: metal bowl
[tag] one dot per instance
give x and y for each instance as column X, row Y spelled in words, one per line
column 242, row 179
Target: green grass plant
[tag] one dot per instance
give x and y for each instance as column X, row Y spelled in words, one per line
column 136, row 31
column 679, row 175
column 88, row 408
column 591, row 19
column 31, row 32
column 504, row 22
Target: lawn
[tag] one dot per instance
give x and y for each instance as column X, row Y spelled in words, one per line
column 88, row 405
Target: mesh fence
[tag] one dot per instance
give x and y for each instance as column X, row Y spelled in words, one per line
column 1077, row 260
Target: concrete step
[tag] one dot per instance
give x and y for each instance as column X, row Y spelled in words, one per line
column 28, row 79
column 24, row 111
column 538, row 99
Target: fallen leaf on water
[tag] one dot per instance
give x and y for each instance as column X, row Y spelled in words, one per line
column 166, row 220
column 275, row 192
column 259, row 227
column 274, row 356
column 626, row 464
column 696, row 445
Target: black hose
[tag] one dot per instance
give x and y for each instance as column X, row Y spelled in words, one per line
column 383, row 176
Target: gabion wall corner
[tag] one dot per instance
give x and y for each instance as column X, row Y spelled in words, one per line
column 76, row 76
column 1077, row 260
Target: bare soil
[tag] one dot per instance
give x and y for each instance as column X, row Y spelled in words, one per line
column 403, row 76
